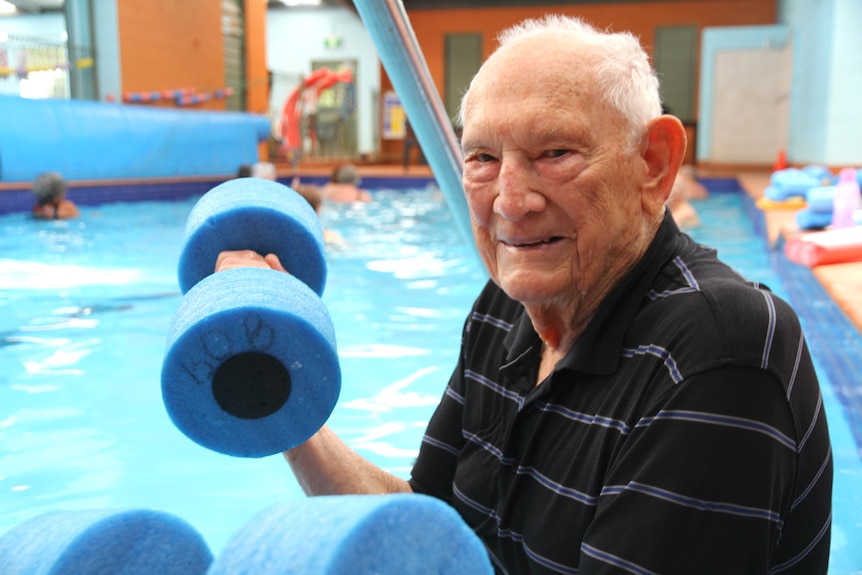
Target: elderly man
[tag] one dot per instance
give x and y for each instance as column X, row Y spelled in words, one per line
column 623, row 402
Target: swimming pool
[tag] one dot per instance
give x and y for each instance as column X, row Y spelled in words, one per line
column 85, row 311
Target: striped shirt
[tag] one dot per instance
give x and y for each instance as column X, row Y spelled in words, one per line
column 683, row 434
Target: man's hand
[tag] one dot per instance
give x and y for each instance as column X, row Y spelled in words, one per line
column 247, row 259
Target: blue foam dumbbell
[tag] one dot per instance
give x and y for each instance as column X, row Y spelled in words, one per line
column 104, row 542
column 400, row 534
column 251, row 367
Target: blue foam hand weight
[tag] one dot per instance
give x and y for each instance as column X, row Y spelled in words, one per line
column 251, row 367
column 402, row 534
column 104, row 542
column 253, row 214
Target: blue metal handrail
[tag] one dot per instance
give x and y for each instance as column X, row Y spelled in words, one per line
column 390, row 29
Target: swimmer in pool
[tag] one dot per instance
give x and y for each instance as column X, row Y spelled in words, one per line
column 314, row 197
column 344, row 186
column 51, row 203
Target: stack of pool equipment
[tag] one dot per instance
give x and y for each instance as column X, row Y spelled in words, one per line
column 842, row 242
column 816, row 191
column 813, row 184
column 795, row 182
column 250, row 370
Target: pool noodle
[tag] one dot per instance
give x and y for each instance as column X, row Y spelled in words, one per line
column 390, row 29
column 131, row 542
column 355, row 534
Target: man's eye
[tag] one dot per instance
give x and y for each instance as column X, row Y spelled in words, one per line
column 481, row 157
column 556, row 153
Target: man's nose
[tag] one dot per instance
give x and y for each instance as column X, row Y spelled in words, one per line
column 518, row 191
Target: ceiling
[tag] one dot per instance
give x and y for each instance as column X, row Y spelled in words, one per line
column 38, row 6
column 431, row 4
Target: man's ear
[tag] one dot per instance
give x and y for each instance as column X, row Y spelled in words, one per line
column 662, row 151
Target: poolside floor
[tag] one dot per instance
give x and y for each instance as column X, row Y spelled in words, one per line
column 843, row 282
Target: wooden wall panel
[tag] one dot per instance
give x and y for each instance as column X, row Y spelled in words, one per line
column 639, row 18
column 257, row 80
column 171, row 44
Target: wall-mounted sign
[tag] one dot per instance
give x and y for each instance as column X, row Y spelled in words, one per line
column 394, row 118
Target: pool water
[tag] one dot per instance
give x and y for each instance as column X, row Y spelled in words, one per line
column 84, row 312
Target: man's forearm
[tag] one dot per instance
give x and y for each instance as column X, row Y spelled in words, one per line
column 325, row 465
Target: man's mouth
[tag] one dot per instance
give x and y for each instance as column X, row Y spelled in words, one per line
column 546, row 241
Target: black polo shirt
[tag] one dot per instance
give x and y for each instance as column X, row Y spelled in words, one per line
column 683, row 433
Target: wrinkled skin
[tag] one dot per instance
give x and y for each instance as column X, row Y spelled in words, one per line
column 562, row 205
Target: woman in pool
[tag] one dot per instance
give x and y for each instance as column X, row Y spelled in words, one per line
column 344, row 186
column 51, row 203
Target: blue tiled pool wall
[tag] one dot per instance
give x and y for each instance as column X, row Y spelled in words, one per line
column 21, row 200
column 832, row 338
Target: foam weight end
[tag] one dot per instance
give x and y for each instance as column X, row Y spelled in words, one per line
column 245, row 311
column 821, row 200
column 253, row 214
column 807, row 219
column 401, row 534
column 131, row 542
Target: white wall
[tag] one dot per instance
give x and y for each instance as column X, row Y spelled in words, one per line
column 45, row 28
column 48, row 27
column 295, row 38
column 845, row 111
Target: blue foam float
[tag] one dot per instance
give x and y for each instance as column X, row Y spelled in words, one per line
column 821, row 199
column 355, row 534
column 807, row 219
column 253, row 214
column 250, row 367
column 104, row 542
column 796, row 182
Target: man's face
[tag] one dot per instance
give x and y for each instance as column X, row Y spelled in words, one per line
column 552, row 184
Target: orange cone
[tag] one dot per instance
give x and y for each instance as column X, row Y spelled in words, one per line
column 780, row 161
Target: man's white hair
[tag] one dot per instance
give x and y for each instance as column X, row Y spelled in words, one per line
column 621, row 66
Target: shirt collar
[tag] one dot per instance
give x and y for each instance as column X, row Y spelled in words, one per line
column 597, row 350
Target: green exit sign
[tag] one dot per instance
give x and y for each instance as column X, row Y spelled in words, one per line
column 332, row 42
